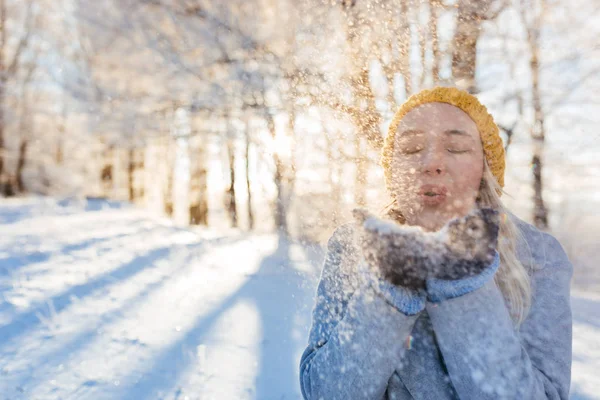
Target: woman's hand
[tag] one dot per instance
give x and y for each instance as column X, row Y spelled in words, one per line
column 471, row 243
column 400, row 254
column 407, row 256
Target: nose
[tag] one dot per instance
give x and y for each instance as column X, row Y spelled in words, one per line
column 433, row 164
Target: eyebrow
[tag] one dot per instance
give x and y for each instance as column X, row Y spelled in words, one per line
column 411, row 132
column 456, row 132
column 414, row 132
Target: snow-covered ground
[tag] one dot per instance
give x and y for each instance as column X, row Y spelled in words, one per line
column 101, row 301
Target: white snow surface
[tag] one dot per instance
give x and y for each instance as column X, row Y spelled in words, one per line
column 99, row 300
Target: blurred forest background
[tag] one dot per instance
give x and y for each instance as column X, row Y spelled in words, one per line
column 243, row 132
column 270, row 114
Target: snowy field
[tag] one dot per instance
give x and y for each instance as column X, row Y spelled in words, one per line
column 102, row 301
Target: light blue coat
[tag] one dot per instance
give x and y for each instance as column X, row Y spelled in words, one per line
column 379, row 344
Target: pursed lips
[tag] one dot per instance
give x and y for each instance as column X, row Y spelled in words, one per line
column 433, row 190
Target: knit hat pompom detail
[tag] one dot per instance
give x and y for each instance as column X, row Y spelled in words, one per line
column 493, row 147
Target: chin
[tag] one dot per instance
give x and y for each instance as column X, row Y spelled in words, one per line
column 433, row 219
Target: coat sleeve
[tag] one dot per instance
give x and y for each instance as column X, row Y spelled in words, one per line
column 488, row 358
column 357, row 338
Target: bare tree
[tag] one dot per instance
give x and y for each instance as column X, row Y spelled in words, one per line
column 434, row 9
column 468, row 29
column 107, row 171
column 532, row 14
column 363, row 111
column 230, row 200
column 135, row 166
column 169, row 166
column 9, row 65
column 247, row 133
column 25, row 128
column 198, row 173
column 278, row 178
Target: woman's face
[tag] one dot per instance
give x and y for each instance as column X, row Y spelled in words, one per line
column 437, row 165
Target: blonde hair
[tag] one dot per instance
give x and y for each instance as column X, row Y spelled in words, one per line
column 512, row 276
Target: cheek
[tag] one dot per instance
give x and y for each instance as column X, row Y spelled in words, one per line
column 468, row 173
column 404, row 173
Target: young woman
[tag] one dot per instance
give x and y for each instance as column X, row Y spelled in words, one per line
column 503, row 333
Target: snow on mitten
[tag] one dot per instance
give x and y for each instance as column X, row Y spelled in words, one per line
column 403, row 255
column 407, row 255
column 471, row 260
column 408, row 300
column 471, row 244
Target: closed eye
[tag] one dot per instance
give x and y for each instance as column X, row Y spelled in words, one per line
column 412, row 150
column 453, row 151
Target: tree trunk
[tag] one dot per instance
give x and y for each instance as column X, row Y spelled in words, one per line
column 367, row 126
column 130, row 174
column 248, row 186
column 198, row 175
column 464, row 45
column 106, row 174
column 59, row 157
column 423, row 32
column 230, row 202
column 106, row 179
column 365, row 115
column 6, row 184
column 8, row 70
column 434, row 6
column 470, row 16
column 465, row 54
column 538, row 134
column 399, row 49
column 168, row 194
column 291, row 170
column 280, row 209
column 140, row 165
column 3, row 80
column 21, row 165
column 3, row 181
column 404, row 42
column 540, row 213
column 25, row 130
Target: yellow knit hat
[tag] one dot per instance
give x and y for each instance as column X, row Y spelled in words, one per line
column 493, row 147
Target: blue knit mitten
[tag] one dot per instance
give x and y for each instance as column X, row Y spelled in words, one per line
column 408, row 301
column 439, row 290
